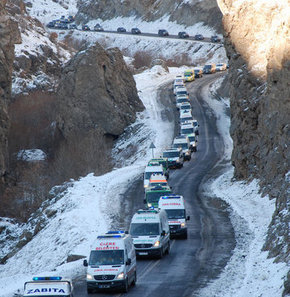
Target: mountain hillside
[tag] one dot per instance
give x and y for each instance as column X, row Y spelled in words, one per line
column 257, row 44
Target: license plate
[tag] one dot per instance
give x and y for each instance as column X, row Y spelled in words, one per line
column 104, row 286
column 143, row 254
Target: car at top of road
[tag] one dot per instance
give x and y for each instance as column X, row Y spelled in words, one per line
column 52, row 285
column 160, row 161
column 221, row 67
column 135, row 31
column 98, row 28
column 149, row 229
column 198, row 72
column 121, row 30
column 180, row 100
column 209, row 68
column 175, row 209
column 112, row 262
column 183, row 34
column 183, row 143
column 189, row 75
column 185, row 106
column 163, row 32
column 198, row 37
column 174, row 156
column 215, row 38
column 86, row 28
column 193, row 141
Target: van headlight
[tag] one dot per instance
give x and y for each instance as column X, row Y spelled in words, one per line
column 182, row 225
column 156, row 244
column 149, row 204
column 121, row 275
column 146, row 186
column 89, row 277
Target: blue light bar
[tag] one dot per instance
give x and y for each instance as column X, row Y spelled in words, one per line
column 115, row 232
column 40, row 278
column 171, row 197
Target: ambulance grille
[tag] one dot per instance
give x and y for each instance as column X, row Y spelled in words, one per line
column 174, row 227
column 104, row 277
column 143, row 246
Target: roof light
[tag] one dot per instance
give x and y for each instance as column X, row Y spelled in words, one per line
column 115, row 232
column 39, row 278
column 171, row 197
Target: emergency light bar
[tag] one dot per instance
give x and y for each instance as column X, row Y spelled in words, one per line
column 147, row 211
column 171, row 197
column 115, row 232
column 40, row 278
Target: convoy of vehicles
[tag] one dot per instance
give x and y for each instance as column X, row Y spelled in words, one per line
column 150, row 232
column 112, row 262
column 175, row 209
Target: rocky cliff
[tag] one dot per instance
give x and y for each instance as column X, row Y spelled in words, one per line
column 97, row 100
column 183, row 12
column 257, row 44
column 9, row 35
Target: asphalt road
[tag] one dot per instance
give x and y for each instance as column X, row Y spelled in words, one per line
column 192, row 263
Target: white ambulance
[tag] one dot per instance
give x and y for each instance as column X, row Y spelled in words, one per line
column 150, row 232
column 175, row 209
column 112, row 263
column 48, row 286
column 149, row 170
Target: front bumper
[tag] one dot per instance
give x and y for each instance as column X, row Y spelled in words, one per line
column 174, row 165
column 147, row 252
column 176, row 230
column 106, row 285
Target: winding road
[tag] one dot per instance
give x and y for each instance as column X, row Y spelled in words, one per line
column 192, row 263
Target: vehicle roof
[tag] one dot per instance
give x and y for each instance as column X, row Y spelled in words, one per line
column 186, row 126
column 154, row 168
column 172, row 149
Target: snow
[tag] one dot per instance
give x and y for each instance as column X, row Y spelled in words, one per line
column 31, row 155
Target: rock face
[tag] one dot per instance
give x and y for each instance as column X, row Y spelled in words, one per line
column 258, row 48
column 9, row 35
column 183, row 12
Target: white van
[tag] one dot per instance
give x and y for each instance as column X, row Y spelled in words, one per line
column 149, row 170
column 157, row 180
column 187, row 128
column 112, row 262
column 193, row 142
column 180, row 100
column 183, row 143
column 48, row 286
column 175, row 209
column 185, row 116
column 150, row 232
column 181, row 92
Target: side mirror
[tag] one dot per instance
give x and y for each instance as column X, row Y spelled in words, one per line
column 171, row 188
column 188, row 218
column 128, row 262
column 85, row 263
column 126, row 232
column 144, row 201
column 163, row 233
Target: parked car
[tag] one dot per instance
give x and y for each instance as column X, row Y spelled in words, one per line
column 163, row 32
column 135, row 31
column 121, row 29
column 198, row 37
column 85, row 28
column 183, row 35
column 98, row 28
column 215, row 38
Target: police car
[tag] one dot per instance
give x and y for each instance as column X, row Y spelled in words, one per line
column 54, row 286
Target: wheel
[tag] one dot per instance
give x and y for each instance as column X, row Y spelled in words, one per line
column 185, row 236
column 135, row 279
column 160, row 254
column 168, row 248
column 90, row 291
column 194, row 149
column 126, row 287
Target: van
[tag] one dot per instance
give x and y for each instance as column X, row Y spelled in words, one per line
column 160, row 161
column 187, row 128
column 150, row 232
column 174, row 156
column 48, row 286
column 112, row 262
column 189, row 75
column 153, row 193
column 185, row 116
column 193, row 142
column 181, row 92
column 209, row 68
column 157, row 180
column 149, row 170
column 175, row 209
column 183, row 143
column 185, row 106
column 180, row 100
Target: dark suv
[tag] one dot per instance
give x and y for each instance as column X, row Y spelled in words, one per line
column 215, row 39
column 135, row 31
column 198, row 37
column 183, row 35
column 121, row 29
column 163, row 32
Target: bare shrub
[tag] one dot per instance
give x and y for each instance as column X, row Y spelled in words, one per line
column 53, row 37
column 142, row 59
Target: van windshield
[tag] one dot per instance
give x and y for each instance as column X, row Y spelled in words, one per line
column 187, row 131
column 111, row 257
column 182, row 145
column 143, row 229
column 207, row 67
column 187, row 106
column 181, row 100
column 171, row 154
column 153, row 196
column 175, row 213
column 181, row 92
column 183, row 120
column 148, row 174
column 191, row 138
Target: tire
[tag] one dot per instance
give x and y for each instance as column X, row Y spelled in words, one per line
column 160, row 254
column 194, row 149
column 168, row 248
column 135, row 279
column 185, row 235
column 126, row 287
column 90, row 291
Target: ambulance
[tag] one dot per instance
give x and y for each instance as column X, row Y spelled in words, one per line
column 112, row 263
column 175, row 209
column 157, row 180
column 149, row 170
column 48, row 286
column 150, row 232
